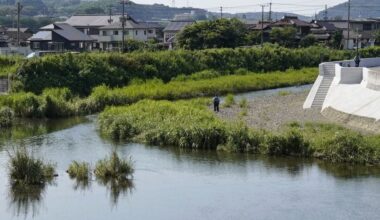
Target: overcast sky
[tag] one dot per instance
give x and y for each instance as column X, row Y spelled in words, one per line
column 299, row 7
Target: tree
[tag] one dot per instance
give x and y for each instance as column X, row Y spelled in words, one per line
column 377, row 37
column 221, row 33
column 253, row 38
column 284, row 36
column 308, row 41
column 336, row 40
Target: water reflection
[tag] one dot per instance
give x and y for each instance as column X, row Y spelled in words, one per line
column 25, row 199
column 117, row 187
column 81, row 184
column 348, row 171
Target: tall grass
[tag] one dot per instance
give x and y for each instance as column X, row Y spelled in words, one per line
column 190, row 124
column 24, row 169
column 114, row 167
column 60, row 102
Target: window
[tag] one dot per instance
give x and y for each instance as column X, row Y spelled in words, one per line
column 115, row 32
column 144, row 32
column 104, row 33
column 367, row 27
column 36, row 45
column 137, row 32
column 150, row 31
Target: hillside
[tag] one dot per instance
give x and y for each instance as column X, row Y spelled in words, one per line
column 359, row 9
column 257, row 15
column 57, row 8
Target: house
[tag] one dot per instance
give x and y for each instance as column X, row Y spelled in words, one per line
column 362, row 29
column 176, row 25
column 111, row 36
column 303, row 27
column 106, row 30
column 60, row 37
column 25, row 34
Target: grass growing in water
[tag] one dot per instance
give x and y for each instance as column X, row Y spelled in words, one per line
column 114, row 167
column 24, row 169
column 80, row 171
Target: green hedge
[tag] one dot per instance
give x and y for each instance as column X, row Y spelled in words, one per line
column 82, row 72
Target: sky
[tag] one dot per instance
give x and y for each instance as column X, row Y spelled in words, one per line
column 296, row 6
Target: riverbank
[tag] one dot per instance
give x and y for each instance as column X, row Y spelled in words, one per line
column 273, row 112
column 190, row 124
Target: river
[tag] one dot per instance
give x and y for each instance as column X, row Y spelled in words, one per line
column 172, row 183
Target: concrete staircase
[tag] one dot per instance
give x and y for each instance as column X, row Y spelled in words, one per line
column 328, row 77
column 4, row 86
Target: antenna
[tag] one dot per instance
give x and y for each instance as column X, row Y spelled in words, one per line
column 221, row 12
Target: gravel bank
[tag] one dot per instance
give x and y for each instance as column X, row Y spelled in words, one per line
column 274, row 111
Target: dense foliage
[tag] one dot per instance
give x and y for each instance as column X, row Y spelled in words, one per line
column 190, row 124
column 82, row 72
column 221, row 33
column 60, row 102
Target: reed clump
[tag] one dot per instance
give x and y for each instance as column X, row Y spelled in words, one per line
column 114, row 168
column 24, row 169
column 80, row 171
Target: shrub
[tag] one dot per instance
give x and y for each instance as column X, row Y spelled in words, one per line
column 24, row 169
column 292, row 143
column 6, row 117
column 82, row 72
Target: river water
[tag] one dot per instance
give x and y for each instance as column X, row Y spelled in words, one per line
column 171, row 183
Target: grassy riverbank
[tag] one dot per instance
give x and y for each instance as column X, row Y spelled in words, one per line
column 55, row 103
column 190, row 124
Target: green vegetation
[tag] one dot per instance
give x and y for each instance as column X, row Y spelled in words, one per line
column 229, row 101
column 55, row 103
column 220, row 33
column 190, row 124
column 79, row 171
column 243, row 103
column 6, row 117
column 24, row 169
column 83, row 72
column 284, row 93
column 114, row 168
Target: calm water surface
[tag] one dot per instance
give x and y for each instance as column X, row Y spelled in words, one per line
column 181, row 184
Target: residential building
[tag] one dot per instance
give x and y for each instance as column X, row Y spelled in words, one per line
column 60, row 37
column 303, row 27
column 362, row 29
column 110, row 36
column 176, row 25
column 107, row 30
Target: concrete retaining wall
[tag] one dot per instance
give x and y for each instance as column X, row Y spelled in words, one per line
column 349, row 75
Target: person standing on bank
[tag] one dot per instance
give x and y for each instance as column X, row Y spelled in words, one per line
column 216, row 102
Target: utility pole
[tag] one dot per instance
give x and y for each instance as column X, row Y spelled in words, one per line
column 110, row 14
column 348, row 23
column 270, row 11
column 221, row 12
column 325, row 17
column 262, row 25
column 123, row 20
column 19, row 8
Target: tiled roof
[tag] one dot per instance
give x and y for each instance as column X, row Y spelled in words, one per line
column 91, row 20
column 177, row 25
column 64, row 30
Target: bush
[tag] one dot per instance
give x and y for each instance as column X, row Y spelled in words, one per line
column 292, row 143
column 82, row 72
column 243, row 103
column 24, row 169
column 6, row 117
